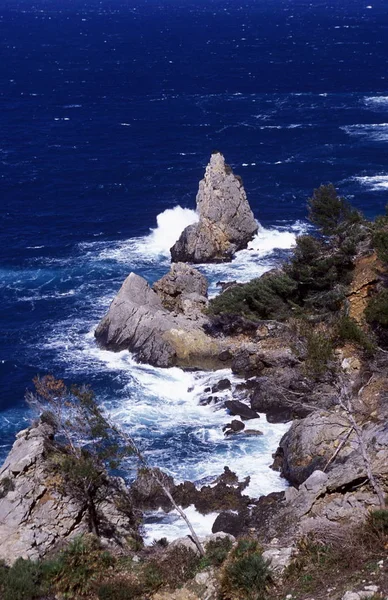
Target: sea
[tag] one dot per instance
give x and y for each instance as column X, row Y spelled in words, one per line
column 110, row 110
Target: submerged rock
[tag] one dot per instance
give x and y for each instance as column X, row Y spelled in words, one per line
column 235, row 407
column 226, row 223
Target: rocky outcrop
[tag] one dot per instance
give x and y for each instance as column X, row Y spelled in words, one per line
column 36, row 515
column 226, row 223
column 137, row 321
column 235, row 407
column 224, row 493
column 310, row 443
column 183, row 289
column 322, row 455
column 366, row 275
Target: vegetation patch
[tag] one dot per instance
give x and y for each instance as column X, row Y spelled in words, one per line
column 246, row 575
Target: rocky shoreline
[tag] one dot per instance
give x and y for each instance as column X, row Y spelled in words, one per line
column 335, row 453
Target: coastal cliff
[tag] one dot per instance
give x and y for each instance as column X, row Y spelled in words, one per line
column 309, row 342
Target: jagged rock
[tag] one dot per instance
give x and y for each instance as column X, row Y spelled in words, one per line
column 235, row 407
column 36, row 515
column 271, row 395
column 146, row 491
column 279, row 558
column 229, row 522
column 225, row 493
column 182, row 289
column 220, row 386
column 137, row 321
column 226, row 223
column 338, row 498
column 233, row 427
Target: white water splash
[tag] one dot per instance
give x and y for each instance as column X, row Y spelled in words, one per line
column 375, row 183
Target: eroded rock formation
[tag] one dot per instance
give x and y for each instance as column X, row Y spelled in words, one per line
column 138, row 321
column 36, row 515
column 226, row 223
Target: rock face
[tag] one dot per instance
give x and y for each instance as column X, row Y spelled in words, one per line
column 226, row 223
column 309, row 444
column 138, row 321
column 322, row 455
column 183, row 289
column 36, row 515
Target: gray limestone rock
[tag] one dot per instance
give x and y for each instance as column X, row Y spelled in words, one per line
column 138, row 321
column 36, row 515
column 226, row 223
column 182, row 289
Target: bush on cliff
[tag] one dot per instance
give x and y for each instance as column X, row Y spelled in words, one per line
column 376, row 314
column 22, row 581
column 246, row 575
column 347, row 330
column 264, row 298
column 317, row 275
column 329, row 212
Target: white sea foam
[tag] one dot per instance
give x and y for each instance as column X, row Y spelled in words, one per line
column 377, row 132
column 170, row 225
column 376, row 102
column 376, row 183
column 158, row 524
column 150, row 249
column 153, row 250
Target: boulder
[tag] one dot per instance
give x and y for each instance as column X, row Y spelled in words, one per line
column 235, row 407
column 147, row 492
column 183, row 289
column 226, row 223
column 220, row 386
column 137, row 321
column 229, row 522
column 37, row 515
column 310, row 443
column 233, row 427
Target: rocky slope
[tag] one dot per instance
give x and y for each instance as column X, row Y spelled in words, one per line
column 37, row 516
column 226, row 223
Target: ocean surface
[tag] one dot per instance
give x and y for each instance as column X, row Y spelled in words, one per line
column 109, row 113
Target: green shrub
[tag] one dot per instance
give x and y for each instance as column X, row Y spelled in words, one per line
column 377, row 310
column 263, row 298
column 246, row 575
column 217, row 551
column 347, row 330
column 329, row 212
column 171, row 569
column 380, row 244
column 378, row 521
column 376, row 314
column 22, row 581
column 75, row 571
column 120, row 589
column 319, row 352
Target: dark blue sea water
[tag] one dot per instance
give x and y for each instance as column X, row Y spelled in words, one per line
column 109, row 112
